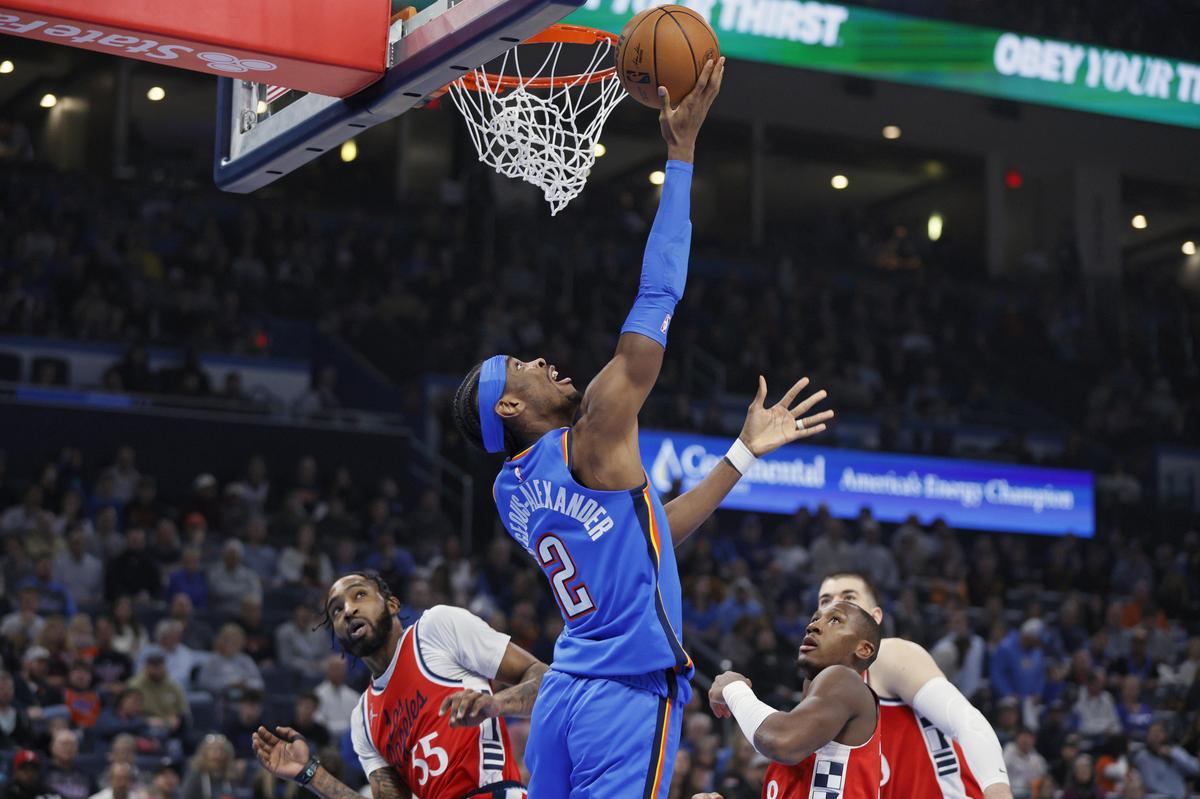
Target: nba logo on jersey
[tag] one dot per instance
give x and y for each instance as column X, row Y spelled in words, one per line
column 666, row 323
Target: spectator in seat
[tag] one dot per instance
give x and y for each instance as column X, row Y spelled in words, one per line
column 1135, row 714
column 1095, row 710
column 26, row 781
column 1025, row 766
column 122, row 783
column 16, row 730
column 134, row 572
column 26, row 617
column 124, row 475
column 304, row 721
column 81, row 698
column 166, row 781
column 80, row 569
column 129, row 634
column 63, row 774
column 240, row 728
column 111, row 666
column 165, row 546
column 197, row 633
column 1018, row 665
column 231, row 581
column 303, row 553
column 1165, row 767
column 300, row 645
column 34, row 688
column 260, row 642
column 261, row 557
column 190, row 579
column 144, row 510
column 212, row 771
column 230, row 667
column 1081, row 781
column 164, row 703
column 54, row 598
column 335, row 699
column 125, row 716
column 181, row 660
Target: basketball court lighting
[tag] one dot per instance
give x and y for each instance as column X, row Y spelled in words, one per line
column 48, row 101
column 156, row 93
column 6, row 67
column 657, row 177
column 599, row 150
column 349, row 150
column 1189, row 248
column 935, row 226
column 1139, row 222
column 891, row 131
column 839, row 182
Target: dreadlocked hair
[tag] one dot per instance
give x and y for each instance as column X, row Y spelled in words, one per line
column 466, row 413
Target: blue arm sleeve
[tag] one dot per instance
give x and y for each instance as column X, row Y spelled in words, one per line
column 664, row 265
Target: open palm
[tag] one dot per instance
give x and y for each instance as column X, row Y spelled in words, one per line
column 285, row 755
column 768, row 429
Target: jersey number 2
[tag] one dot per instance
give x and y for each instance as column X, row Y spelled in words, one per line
column 556, row 560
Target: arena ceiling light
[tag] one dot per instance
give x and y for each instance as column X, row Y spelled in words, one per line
column 891, row 131
column 1139, row 222
column 6, row 67
column 156, row 94
column 599, row 150
column 934, row 228
column 1189, row 248
column 657, row 177
column 349, row 150
column 839, row 182
column 48, row 101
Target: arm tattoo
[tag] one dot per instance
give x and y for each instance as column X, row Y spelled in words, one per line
column 519, row 699
column 385, row 784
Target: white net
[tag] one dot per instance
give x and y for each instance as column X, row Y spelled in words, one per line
column 544, row 135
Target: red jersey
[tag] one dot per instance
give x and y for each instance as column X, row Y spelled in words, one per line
column 919, row 759
column 835, row 771
column 397, row 724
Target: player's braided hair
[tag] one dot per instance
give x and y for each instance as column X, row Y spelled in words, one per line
column 466, row 412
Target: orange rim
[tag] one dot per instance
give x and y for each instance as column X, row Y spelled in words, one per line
column 559, row 33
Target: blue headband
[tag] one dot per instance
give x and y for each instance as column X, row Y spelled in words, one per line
column 492, row 378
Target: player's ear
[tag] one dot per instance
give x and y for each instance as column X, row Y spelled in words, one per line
column 877, row 614
column 510, row 407
column 394, row 604
column 865, row 650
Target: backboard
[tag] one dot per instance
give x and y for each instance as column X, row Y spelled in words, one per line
column 265, row 131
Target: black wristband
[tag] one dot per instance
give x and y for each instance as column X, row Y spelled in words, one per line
column 309, row 771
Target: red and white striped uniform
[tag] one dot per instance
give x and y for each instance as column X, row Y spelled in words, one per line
column 396, row 723
column 919, row 759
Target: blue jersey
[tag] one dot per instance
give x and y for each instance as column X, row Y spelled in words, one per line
column 610, row 562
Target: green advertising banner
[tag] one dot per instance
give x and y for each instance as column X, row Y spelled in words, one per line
column 944, row 55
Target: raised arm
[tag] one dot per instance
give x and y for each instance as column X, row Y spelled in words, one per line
column 285, row 754
column 835, row 698
column 519, row 670
column 907, row 671
column 605, row 447
column 766, row 430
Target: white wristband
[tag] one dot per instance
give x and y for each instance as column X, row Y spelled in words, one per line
column 740, row 457
column 747, row 708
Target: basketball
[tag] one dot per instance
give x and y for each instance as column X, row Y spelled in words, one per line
column 664, row 46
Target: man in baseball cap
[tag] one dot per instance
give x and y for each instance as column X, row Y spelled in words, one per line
column 26, row 781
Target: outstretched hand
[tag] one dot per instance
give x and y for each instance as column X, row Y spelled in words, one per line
column 681, row 124
column 285, row 755
column 768, row 429
column 469, row 708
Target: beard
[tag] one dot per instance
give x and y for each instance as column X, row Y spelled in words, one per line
column 379, row 631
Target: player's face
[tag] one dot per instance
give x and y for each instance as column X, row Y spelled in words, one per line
column 845, row 588
column 362, row 620
column 539, row 385
column 830, row 639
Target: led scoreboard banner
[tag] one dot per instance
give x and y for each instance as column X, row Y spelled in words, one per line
column 975, row 495
column 944, row 55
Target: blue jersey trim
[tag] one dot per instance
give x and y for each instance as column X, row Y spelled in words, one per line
column 642, row 511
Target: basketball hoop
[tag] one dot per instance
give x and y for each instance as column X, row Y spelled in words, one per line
column 542, row 127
